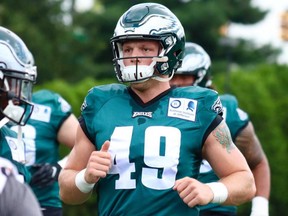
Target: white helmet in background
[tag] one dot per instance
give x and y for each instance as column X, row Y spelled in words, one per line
column 17, row 76
column 196, row 62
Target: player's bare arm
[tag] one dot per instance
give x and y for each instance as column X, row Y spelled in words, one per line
column 230, row 165
column 67, row 130
column 77, row 161
column 222, row 135
column 250, row 146
column 248, row 143
column 221, row 152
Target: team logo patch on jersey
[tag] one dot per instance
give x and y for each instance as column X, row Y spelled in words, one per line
column 84, row 105
column 41, row 113
column 146, row 114
column 182, row 108
column 217, row 106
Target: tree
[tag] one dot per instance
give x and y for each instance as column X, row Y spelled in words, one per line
column 70, row 45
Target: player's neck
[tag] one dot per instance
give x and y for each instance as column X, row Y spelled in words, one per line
column 150, row 89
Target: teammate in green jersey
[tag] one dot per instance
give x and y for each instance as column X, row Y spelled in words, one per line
column 196, row 70
column 52, row 123
column 142, row 145
column 17, row 75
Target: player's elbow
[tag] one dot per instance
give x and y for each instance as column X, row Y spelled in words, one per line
column 247, row 190
column 63, row 197
column 251, row 187
column 70, row 195
column 71, row 198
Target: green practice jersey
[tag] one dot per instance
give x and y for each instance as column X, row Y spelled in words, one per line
column 40, row 135
column 152, row 145
column 236, row 120
column 13, row 149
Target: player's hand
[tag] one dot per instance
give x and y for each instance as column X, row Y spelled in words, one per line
column 193, row 192
column 99, row 164
column 45, row 174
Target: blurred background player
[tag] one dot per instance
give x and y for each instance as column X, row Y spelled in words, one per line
column 196, row 70
column 17, row 76
column 52, row 123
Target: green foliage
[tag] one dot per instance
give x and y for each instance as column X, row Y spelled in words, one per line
column 67, row 44
column 262, row 92
column 252, row 15
column 40, row 24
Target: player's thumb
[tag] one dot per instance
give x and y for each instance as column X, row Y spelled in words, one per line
column 105, row 146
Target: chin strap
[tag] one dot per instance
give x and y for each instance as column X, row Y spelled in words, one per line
column 157, row 77
column 21, row 142
column 163, row 79
column 4, row 121
column 19, row 135
column 15, row 112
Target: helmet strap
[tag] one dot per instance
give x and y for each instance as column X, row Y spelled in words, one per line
column 4, row 121
column 162, row 79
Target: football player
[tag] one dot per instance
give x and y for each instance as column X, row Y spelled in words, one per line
column 17, row 76
column 51, row 124
column 196, row 71
column 142, row 145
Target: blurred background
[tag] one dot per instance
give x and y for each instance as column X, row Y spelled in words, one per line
column 247, row 41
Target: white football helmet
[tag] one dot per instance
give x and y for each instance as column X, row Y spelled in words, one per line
column 149, row 21
column 17, row 76
column 196, row 62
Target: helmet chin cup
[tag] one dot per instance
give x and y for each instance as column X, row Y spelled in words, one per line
column 137, row 73
column 14, row 112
